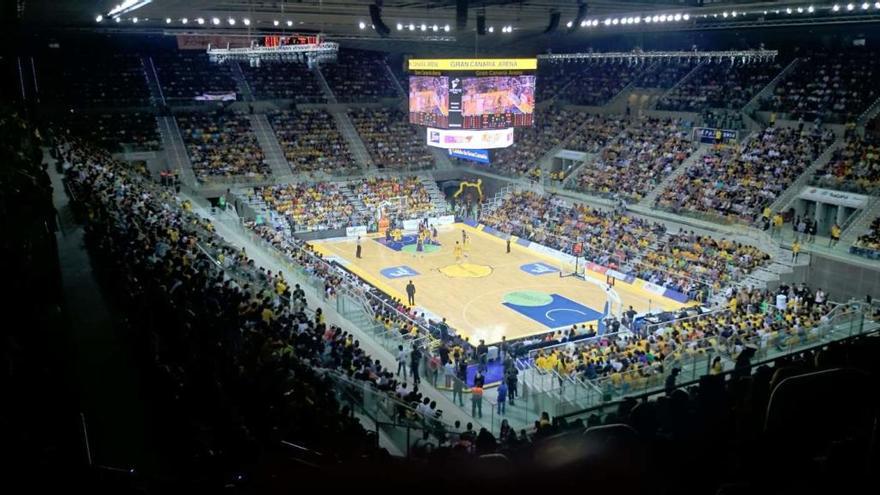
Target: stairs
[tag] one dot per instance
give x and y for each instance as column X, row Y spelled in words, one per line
column 682, row 80
column 355, row 143
column 438, row 199
column 573, row 173
column 175, row 150
column 241, row 82
column 794, row 189
column 325, row 88
column 400, row 91
column 696, row 156
column 860, row 223
column 754, row 103
column 869, row 113
column 153, row 81
column 271, row 149
column 441, row 158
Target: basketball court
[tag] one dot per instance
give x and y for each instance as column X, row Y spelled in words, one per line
column 490, row 293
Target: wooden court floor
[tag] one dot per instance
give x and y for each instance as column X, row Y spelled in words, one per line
column 489, row 293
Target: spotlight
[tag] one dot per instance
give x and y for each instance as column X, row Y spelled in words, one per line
column 247, row 22
column 434, row 28
column 167, row 20
column 656, row 18
column 446, row 28
column 200, row 20
column 399, row 26
column 595, row 22
column 865, row 6
column 491, row 29
column 423, row 27
column 725, row 14
column 877, row 5
column 647, row 19
column 584, row 23
column 184, row 20
column 134, row 20
column 275, row 22
column 118, row 19
column 615, row 21
column 362, row 25
column 850, row 6
column 231, row 21
column 637, row 20
column 788, row 11
column 810, row 9
column 569, row 24
column 607, row 22
column 412, row 27
column 800, row 10
column 99, row 18
column 215, row 21
column 677, row 17
column 663, row 18
column 835, row 8
column 686, row 17
column 289, row 23
column 733, row 14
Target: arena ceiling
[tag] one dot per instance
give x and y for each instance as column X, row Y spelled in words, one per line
column 349, row 21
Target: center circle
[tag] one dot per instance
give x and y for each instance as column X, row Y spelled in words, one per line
column 530, row 298
column 426, row 248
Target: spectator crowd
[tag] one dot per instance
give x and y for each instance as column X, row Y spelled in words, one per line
column 221, row 144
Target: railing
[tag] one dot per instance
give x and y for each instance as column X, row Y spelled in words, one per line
column 842, row 326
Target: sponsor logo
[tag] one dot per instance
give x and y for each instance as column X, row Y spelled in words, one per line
column 398, row 272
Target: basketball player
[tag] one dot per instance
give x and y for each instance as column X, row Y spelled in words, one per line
column 456, row 251
column 464, row 237
column 358, row 251
column 420, row 244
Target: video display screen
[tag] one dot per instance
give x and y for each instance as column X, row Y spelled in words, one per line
column 429, row 101
column 497, row 102
column 472, row 102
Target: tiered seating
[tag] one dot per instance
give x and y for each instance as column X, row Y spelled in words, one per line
column 186, row 75
column 719, row 85
column 310, row 206
column 854, row 167
column 684, row 262
column 739, row 185
column 311, row 141
column 596, row 133
column 391, row 141
column 289, row 81
column 359, row 76
column 868, row 244
column 597, row 83
column 407, row 196
column 224, row 321
column 551, row 128
column 664, row 74
column 833, row 87
column 96, row 80
column 553, row 76
column 723, row 119
column 638, row 160
column 138, row 131
column 222, row 144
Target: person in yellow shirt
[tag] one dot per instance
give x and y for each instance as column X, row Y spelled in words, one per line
column 457, row 251
column 835, row 235
column 795, row 250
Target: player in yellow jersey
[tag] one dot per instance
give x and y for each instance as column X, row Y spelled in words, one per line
column 457, row 251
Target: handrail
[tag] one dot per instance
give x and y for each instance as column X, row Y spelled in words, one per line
column 658, row 391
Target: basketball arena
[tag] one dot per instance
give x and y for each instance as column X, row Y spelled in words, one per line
column 265, row 246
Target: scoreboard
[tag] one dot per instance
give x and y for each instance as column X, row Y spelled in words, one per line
column 467, row 94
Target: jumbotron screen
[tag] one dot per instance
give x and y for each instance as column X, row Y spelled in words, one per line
column 472, row 93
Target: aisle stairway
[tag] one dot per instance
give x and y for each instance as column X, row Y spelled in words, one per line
column 281, row 170
column 241, row 83
column 695, row 157
column 175, row 150
column 355, row 143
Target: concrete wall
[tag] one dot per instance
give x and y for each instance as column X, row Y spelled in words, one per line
column 843, row 280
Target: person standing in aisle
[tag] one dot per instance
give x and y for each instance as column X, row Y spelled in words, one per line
column 411, row 293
